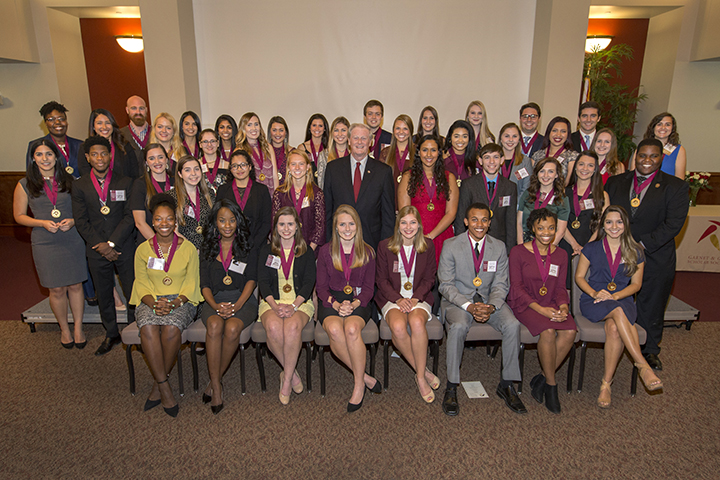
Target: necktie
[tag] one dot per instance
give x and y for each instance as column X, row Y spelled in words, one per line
column 526, row 140
column 491, row 189
column 641, row 179
column 477, row 249
column 587, row 140
column 357, row 180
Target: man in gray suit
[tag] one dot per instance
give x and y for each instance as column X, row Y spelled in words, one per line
column 473, row 274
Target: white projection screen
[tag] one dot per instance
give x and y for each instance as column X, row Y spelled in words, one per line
column 295, row 58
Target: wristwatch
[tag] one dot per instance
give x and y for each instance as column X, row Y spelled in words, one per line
column 112, row 244
column 494, row 308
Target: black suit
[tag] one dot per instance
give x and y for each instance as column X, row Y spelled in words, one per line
column 117, row 227
column 576, row 138
column 375, row 204
column 384, row 141
column 126, row 164
column 504, row 221
column 656, row 222
column 258, row 210
column 537, row 144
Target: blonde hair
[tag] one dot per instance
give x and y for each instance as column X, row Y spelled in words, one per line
column 309, row 177
column 485, row 135
column 182, row 196
column 176, row 146
column 363, row 251
column 396, row 240
column 390, row 159
column 241, row 140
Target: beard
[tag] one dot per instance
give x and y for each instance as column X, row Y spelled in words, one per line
column 138, row 120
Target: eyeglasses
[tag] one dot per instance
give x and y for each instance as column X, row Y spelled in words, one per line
column 56, row 119
column 239, row 166
column 530, row 116
column 208, row 142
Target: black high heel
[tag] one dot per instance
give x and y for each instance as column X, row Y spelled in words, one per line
column 206, row 398
column 354, row 407
column 215, row 409
column 552, row 402
column 80, row 345
column 538, row 387
column 150, row 404
column 172, row 411
column 377, row 388
column 68, row 345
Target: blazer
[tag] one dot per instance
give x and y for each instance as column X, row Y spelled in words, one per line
column 258, row 210
column 74, row 146
column 126, row 164
column 575, row 138
column 537, row 144
column 375, row 204
column 503, row 225
column 304, row 274
column 385, row 139
column 117, row 226
column 660, row 216
column 456, row 272
column 129, row 139
column 388, row 281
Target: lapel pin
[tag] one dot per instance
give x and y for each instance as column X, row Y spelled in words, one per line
column 657, row 185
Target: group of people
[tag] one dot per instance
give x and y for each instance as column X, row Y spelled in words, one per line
column 231, row 226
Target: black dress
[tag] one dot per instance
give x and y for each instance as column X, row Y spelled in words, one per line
column 583, row 233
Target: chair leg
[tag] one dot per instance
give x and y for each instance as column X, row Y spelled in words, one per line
column 193, row 362
column 386, row 360
column 488, row 350
column 495, row 350
column 581, row 374
column 436, row 355
column 261, row 367
column 308, row 366
column 633, row 381
column 181, row 386
column 131, row 368
column 241, row 354
column 322, row 371
column 571, row 369
column 373, row 352
column 522, row 367
column 315, row 352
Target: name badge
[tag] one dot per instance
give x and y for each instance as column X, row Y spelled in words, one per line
column 237, row 267
column 554, row 270
column 305, row 204
column 668, row 149
column 357, row 291
column 522, row 173
column 603, row 171
column 490, row 266
column 272, row 262
column 589, row 204
column 156, row 263
column 396, row 267
column 189, row 211
column 505, row 201
column 204, row 168
column 117, row 195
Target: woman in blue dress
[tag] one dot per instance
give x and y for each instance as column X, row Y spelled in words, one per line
column 615, row 262
column 663, row 127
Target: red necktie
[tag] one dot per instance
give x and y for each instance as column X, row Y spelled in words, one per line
column 357, row 180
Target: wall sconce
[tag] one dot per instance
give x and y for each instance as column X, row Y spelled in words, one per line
column 597, row 43
column 130, row 43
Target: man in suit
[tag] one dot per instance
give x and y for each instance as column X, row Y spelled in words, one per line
column 104, row 219
column 588, row 118
column 363, row 183
column 531, row 140
column 373, row 114
column 658, row 205
column 137, row 132
column 494, row 190
column 55, row 116
column 473, row 275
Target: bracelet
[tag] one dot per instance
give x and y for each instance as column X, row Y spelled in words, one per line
column 295, row 307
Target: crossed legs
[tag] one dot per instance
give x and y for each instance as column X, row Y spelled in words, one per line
column 161, row 344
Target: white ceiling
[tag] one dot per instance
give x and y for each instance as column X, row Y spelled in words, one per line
column 101, row 12
column 614, row 11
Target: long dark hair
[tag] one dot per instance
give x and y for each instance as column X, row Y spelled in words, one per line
column 596, row 187
column 558, row 184
column 568, row 142
column 246, row 156
column 673, row 139
column 35, row 180
column 233, row 125
column 242, row 242
column 326, row 133
column 275, row 241
column 470, row 151
column 117, row 137
column 416, row 171
column 195, row 117
column 632, row 251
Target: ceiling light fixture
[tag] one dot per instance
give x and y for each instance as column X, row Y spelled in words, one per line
column 130, row 43
column 597, row 43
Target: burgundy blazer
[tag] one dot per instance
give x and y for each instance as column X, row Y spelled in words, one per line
column 388, row 282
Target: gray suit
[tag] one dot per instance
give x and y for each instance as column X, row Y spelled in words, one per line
column 456, row 274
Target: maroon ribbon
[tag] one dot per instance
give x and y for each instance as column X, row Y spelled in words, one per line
column 347, row 264
column 548, row 200
column 614, row 264
column 477, row 260
column 430, row 186
column 225, row 261
column 576, row 202
column 506, row 170
column 337, row 155
column 171, row 253
column 259, row 157
column 137, row 139
column 315, row 154
column 487, row 189
column 400, row 159
column 242, row 201
column 196, row 204
column 102, row 192
column 286, row 263
column 211, row 174
column 602, row 165
column 157, row 185
column 557, row 154
column 376, row 143
column 52, row 193
column 459, row 166
column 408, row 264
column 526, row 148
column 582, row 142
column 297, row 202
column 66, row 155
column 196, row 154
column 223, row 154
column 543, row 268
column 638, row 188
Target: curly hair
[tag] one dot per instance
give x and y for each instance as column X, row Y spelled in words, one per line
column 558, row 185
column 540, row 214
column 673, row 139
column 416, row 172
column 242, row 241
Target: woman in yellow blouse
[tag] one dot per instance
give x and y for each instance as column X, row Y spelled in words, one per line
column 166, row 292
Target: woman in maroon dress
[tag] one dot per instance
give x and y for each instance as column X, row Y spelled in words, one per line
column 539, row 300
column 433, row 191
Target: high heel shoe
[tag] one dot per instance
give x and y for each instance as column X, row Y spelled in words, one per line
column 172, row 411
column 207, row 398
column 552, row 402
column 430, row 397
column 435, row 382
column 537, row 384
column 377, row 388
column 299, row 387
column 602, row 401
column 215, row 409
column 150, row 404
column 354, row 407
column 644, row 369
column 80, row 345
column 284, row 399
column 68, row 345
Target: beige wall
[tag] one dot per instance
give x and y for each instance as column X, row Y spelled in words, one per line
column 707, row 35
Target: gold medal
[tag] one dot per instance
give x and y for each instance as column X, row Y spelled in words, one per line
column 347, row 290
column 612, row 286
column 491, row 213
column 543, row 290
column 408, row 286
column 459, row 182
column 316, row 174
column 55, row 213
column 227, row 280
column 198, row 229
column 430, row 207
column 261, row 177
column 477, row 281
column 69, row 169
column 399, row 178
column 576, row 224
column 635, row 202
column 287, row 288
column 280, row 176
column 167, row 281
column 105, row 210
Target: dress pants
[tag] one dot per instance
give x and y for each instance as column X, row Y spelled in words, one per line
column 459, row 322
column 103, row 275
column 652, row 299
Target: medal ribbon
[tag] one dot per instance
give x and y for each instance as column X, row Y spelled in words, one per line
column 400, row 159
column 225, row 261
column 347, row 264
column 506, row 170
column 242, row 201
column 459, row 167
column 141, row 142
column 557, row 154
column 548, row 200
column 259, row 157
column 614, row 264
column 112, row 155
column 407, row 264
column 196, row 154
column 638, row 188
column 102, row 192
column 430, row 186
column 223, row 154
column 602, row 165
column 576, row 202
column 280, row 156
column 526, row 148
column 544, row 268
column 477, row 260
column 196, row 204
column 376, row 143
column 171, row 253
column 297, row 202
column 211, row 174
column 315, row 154
column 157, row 185
column 65, row 155
column 52, row 193
column 487, row 190
column 286, row 263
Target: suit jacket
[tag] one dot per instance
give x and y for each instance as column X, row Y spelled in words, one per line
column 129, row 139
column 504, row 220
column 537, row 144
column 258, row 210
column 660, row 216
column 303, row 274
column 375, row 204
column 388, row 281
column 74, row 146
column 126, row 164
column 384, row 141
column 456, row 272
column 575, row 138
column 117, row 226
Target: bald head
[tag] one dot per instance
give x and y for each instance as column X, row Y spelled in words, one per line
column 137, row 111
